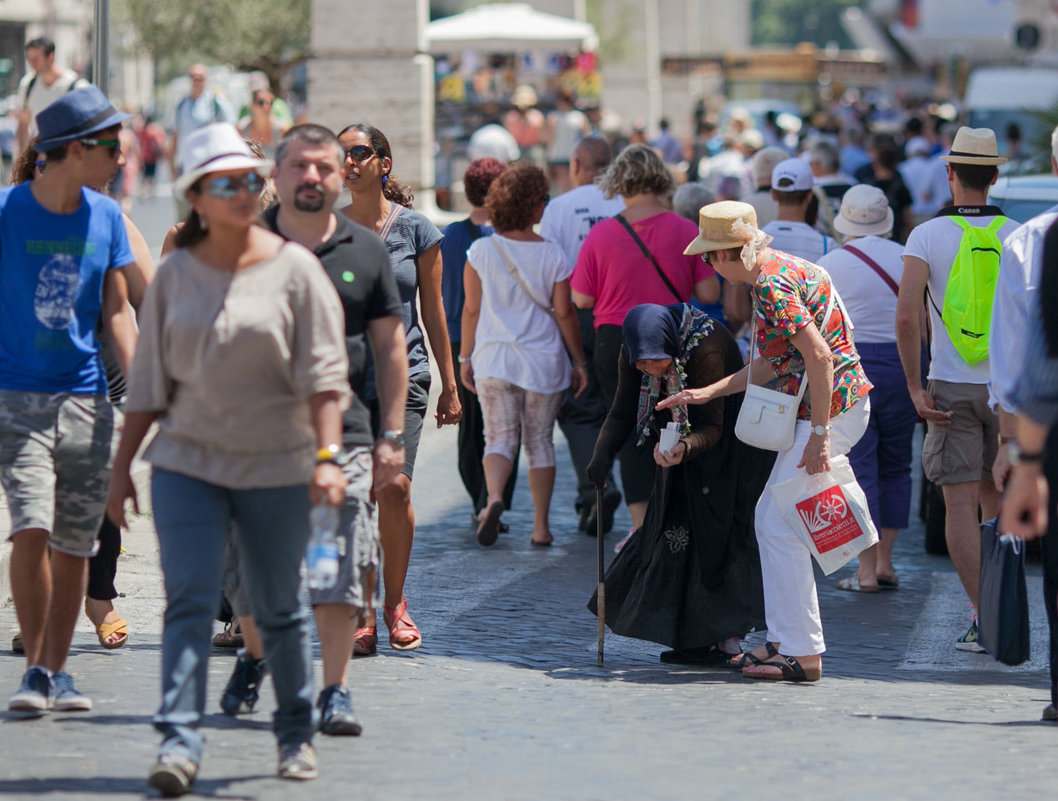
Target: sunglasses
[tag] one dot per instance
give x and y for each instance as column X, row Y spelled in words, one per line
column 113, row 145
column 359, row 153
column 228, row 186
column 705, row 257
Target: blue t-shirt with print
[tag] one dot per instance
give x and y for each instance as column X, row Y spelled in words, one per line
column 51, row 290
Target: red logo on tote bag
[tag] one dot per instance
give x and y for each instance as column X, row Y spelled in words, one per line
column 829, row 519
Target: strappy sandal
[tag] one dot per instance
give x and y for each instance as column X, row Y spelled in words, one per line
column 365, row 642
column 790, row 670
column 118, row 629
column 747, row 658
column 404, row 635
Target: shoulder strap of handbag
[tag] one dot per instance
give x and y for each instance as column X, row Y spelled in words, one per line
column 649, row 255
column 394, row 210
column 518, row 276
column 834, row 300
column 874, row 266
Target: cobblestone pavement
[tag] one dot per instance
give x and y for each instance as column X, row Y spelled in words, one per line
column 505, row 702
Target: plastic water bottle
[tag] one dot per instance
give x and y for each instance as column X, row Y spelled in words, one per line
column 321, row 556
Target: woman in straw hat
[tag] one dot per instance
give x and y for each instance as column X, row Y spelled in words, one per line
column 798, row 341
column 241, row 361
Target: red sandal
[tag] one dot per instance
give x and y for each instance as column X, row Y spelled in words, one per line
column 404, row 635
column 365, row 642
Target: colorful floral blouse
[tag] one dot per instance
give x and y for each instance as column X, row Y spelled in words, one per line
column 789, row 293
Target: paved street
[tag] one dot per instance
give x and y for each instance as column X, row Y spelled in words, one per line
column 505, row 701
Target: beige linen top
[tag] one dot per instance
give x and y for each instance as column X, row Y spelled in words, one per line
column 229, row 361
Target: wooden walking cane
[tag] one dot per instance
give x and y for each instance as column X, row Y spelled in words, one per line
column 601, row 592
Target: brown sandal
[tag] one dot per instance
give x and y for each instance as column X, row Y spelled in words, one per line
column 789, row 670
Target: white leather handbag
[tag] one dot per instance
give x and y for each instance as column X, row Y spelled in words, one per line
column 767, row 418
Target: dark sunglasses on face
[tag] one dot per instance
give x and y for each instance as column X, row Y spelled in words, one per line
column 359, row 153
column 228, row 186
column 113, row 145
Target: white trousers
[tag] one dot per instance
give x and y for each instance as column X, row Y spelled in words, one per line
column 791, row 607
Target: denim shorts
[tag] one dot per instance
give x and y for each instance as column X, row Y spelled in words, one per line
column 55, row 457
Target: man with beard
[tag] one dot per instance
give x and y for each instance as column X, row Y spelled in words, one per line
column 308, row 176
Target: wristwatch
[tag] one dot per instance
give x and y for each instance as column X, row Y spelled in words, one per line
column 1018, row 456
column 821, row 431
column 328, row 453
column 395, row 436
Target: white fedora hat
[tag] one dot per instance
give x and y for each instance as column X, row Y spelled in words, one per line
column 974, row 146
column 215, row 148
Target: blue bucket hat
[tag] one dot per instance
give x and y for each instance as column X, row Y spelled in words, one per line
column 77, row 114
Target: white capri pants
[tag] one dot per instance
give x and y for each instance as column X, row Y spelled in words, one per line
column 791, row 607
column 507, row 410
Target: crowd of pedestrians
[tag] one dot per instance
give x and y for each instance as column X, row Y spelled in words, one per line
column 278, row 364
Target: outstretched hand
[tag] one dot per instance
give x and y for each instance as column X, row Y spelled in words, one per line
column 687, row 397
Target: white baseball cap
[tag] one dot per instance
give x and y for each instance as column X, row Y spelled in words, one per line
column 792, row 175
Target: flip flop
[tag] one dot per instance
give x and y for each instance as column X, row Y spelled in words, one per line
column 852, row 584
column 889, row 582
column 489, row 528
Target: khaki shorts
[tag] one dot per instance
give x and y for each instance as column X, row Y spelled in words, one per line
column 55, row 456
column 964, row 450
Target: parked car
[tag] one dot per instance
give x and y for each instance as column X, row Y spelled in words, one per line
column 1024, row 196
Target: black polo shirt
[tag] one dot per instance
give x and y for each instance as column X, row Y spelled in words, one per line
column 357, row 263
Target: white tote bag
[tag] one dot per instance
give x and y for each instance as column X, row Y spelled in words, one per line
column 828, row 512
column 767, row 417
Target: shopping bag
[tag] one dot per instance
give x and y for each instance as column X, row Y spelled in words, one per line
column 828, row 512
column 1003, row 601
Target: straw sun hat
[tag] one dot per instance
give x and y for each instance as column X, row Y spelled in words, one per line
column 723, row 225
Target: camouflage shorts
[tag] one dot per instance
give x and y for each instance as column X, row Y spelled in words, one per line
column 55, row 455
column 360, row 555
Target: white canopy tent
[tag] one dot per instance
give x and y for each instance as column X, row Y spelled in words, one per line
column 506, row 27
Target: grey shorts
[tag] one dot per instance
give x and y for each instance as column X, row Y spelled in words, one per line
column 55, row 456
column 359, row 550
column 964, row 450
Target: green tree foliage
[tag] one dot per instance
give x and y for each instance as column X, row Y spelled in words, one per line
column 788, row 22
column 267, row 35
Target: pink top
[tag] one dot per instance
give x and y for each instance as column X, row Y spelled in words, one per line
column 612, row 269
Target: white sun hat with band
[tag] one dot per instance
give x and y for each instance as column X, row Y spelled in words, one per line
column 216, row 147
column 974, row 146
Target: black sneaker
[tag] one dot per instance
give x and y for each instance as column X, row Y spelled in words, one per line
column 336, row 712
column 172, row 775
column 244, row 686
column 1050, row 712
column 298, row 762
column 33, row 694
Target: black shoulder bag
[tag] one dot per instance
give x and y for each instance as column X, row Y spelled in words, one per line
column 649, row 255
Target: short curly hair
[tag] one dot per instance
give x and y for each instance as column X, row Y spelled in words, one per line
column 515, row 196
column 479, row 177
column 637, row 170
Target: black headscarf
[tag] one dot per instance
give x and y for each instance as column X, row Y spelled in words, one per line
column 651, row 331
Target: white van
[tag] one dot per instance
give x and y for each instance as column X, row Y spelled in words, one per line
column 998, row 96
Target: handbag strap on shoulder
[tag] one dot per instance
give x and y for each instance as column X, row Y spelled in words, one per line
column 513, row 271
column 646, row 252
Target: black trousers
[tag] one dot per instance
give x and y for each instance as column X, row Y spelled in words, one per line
column 1050, row 559
column 581, row 418
column 104, row 565
column 471, row 446
column 637, row 463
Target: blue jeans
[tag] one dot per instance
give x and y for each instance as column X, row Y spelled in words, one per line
column 271, row 529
